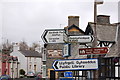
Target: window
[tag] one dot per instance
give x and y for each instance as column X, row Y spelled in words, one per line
column 30, row 58
column 30, row 67
column 34, row 59
column 35, row 68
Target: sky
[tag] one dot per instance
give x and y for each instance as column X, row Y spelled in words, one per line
column 26, row 20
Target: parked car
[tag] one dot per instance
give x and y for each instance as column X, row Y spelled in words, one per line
column 5, row 77
column 38, row 77
column 30, row 74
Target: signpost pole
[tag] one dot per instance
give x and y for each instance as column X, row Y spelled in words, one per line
column 44, row 63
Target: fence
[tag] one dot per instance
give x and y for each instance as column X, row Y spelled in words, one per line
column 109, row 69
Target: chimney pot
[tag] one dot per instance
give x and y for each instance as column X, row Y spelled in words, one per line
column 73, row 20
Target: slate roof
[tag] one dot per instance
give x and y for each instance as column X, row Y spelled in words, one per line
column 105, row 32
column 55, row 46
column 30, row 53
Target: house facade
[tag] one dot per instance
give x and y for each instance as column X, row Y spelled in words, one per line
column 29, row 61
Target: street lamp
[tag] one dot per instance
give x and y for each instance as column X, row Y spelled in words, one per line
column 96, row 2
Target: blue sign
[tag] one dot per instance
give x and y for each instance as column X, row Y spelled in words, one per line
column 66, row 50
column 68, row 74
column 66, row 79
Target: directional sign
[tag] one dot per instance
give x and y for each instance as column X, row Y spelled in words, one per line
column 81, row 39
column 53, row 36
column 75, row 64
column 86, row 51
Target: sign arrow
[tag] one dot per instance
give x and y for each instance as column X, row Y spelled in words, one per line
column 56, row 65
column 43, row 36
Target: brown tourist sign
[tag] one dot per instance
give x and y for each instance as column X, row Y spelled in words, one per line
column 86, row 51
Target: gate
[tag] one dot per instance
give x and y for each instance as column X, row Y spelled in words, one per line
column 109, row 68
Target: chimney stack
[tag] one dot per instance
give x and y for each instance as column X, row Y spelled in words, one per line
column 73, row 20
column 15, row 47
column 103, row 19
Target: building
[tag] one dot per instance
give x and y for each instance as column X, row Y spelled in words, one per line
column 107, row 34
column 73, row 29
column 6, row 64
column 29, row 61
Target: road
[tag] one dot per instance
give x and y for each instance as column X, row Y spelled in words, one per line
column 25, row 79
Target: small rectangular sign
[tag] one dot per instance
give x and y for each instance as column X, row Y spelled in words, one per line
column 66, row 50
column 81, row 39
column 68, row 74
column 86, row 51
column 44, row 71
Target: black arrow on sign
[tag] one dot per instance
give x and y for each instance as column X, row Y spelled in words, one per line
column 56, row 65
column 92, row 38
column 43, row 36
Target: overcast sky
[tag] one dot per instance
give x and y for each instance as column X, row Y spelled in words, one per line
column 27, row 19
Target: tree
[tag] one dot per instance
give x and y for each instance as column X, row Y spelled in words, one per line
column 23, row 45
column 22, row 72
column 7, row 47
column 35, row 46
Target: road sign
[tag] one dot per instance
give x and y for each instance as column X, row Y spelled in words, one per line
column 68, row 74
column 66, row 78
column 65, row 37
column 86, row 51
column 81, row 39
column 44, row 71
column 66, row 50
column 75, row 64
column 53, row 36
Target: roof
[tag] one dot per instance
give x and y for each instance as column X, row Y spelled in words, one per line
column 31, row 53
column 105, row 32
column 55, row 46
column 74, row 30
column 74, row 26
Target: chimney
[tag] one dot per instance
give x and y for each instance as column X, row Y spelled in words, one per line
column 16, row 47
column 103, row 19
column 73, row 20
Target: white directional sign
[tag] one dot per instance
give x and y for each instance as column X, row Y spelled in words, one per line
column 81, row 39
column 53, row 36
column 75, row 64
